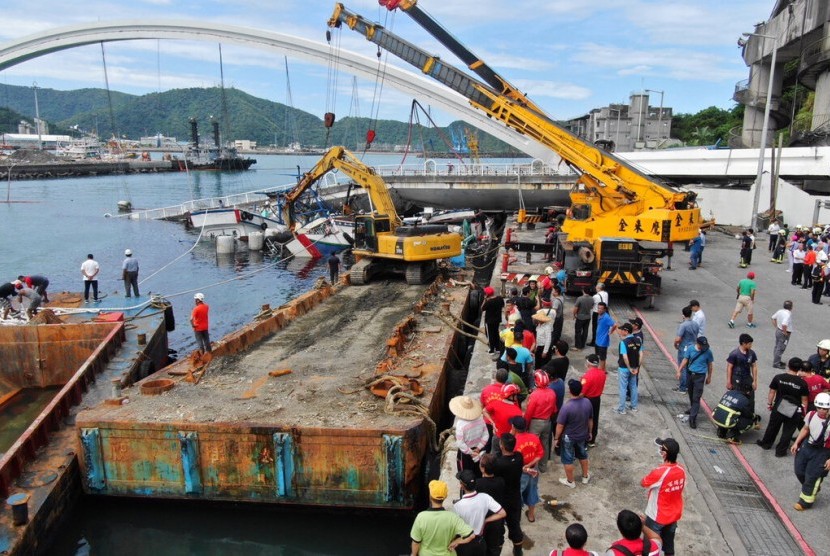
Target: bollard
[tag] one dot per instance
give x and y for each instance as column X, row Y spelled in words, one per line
column 142, row 338
column 504, row 260
column 116, row 388
column 509, row 235
column 20, row 508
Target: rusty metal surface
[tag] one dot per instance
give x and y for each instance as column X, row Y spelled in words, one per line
column 51, row 477
column 237, row 446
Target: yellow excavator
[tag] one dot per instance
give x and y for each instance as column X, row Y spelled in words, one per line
column 381, row 243
column 621, row 221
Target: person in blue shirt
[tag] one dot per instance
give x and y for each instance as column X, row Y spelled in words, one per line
column 605, row 325
column 695, row 249
column 697, row 363
column 687, row 332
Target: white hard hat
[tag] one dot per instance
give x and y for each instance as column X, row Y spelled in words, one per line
column 816, row 230
column 199, row 297
column 128, row 252
column 824, row 344
column 822, row 400
column 549, row 270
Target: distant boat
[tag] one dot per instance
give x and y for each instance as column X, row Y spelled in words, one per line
column 85, row 148
column 214, row 157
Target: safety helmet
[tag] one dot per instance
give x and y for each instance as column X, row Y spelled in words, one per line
column 816, row 230
column 199, row 297
column 548, row 270
column 782, row 232
column 509, row 390
column 822, row 401
column 127, row 252
column 798, row 227
column 542, row 379
column 824, row 344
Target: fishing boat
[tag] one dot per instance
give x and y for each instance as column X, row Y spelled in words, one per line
column 213, row 157
column 323, row 236
column 231, row 221
column 85, row 148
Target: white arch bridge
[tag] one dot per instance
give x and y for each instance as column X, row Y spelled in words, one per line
column 419, row 86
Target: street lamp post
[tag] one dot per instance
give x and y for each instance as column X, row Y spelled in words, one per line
column 659, row 114
column 756, row 199
column 9, row 183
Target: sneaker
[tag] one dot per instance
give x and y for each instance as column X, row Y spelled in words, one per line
column 619, row 411
column 751, row 325
column 763, row 446
column 567, row 483
column 678, row 389
column 633, row 410
column 592, row 444
column 779, row 365
column 586, row 480
column 693, row 423
column 731, row 324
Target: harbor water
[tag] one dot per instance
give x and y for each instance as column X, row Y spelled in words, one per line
column 51, row 225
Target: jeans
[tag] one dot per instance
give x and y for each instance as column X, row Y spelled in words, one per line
column 94, row 284
column 666, row 533
column 202, row 340
column 680, row 351
column 628, row 384
column 581, row 332
column 694, row 260
column 695, row 383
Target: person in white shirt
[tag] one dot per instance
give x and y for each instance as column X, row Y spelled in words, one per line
column 773, row 230
column 600, row 297
column 798, row 264
column 698, row 317
column 783, row 322
column 89, row 270
column 473, row 509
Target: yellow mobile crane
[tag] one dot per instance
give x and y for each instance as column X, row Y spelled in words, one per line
column 621, row 221
column 381, row 243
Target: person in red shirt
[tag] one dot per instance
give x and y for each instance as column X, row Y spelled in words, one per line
column 529, row 445
column 541, row 406
column 637, row 540
column 816, row 384
column 577, row 538
column 199, row 322
column 665, row 486
column 499, row 412
column 593, row 384
column 493, row 391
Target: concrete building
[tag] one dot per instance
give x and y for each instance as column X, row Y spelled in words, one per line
column 629, row 127
column 797, row 30
column 245, row 144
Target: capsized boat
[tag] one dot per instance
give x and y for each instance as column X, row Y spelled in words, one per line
column 323, row 236
column 231, row 221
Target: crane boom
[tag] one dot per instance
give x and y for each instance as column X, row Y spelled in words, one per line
column 610, row 188
column 340, row 158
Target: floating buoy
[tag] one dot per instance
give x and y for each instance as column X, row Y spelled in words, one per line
column 255, row 241
column 225, row 244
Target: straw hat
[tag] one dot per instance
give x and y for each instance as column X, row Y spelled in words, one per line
column 541, row 316
column 465, row 407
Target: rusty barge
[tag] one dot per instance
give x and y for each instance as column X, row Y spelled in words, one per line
column 284, row 412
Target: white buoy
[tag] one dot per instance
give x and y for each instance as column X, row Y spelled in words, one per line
column 255, row 241
column 225, row 244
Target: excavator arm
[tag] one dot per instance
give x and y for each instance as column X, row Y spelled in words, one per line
column 340, row 158
column 611, row 194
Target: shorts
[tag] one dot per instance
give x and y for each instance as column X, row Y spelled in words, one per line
column 573, row 450
column 602, row 352
column 744, row 301
column 530, row 489
column 5, row 303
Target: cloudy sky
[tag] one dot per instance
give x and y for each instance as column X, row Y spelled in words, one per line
column 569, row 56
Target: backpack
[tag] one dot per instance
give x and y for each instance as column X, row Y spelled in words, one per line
column 647, row 544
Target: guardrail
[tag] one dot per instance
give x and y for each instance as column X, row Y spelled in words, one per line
column 51, row 418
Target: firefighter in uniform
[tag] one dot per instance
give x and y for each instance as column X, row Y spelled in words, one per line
column 734, row 416
column 812, row 458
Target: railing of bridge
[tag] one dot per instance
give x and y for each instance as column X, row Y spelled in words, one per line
column 429, row 167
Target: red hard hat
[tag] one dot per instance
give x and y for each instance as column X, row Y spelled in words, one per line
column 509, row 390
column 542, row 378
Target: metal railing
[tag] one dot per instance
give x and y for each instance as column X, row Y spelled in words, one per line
column 429, row 167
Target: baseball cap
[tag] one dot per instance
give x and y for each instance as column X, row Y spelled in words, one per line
column 750, row 275
column 592, row 358
column 467, row 477
column 637, row 320
column 670, row 445
column 627, row 327
column 702, row 341
column 489, row 291
column 438, row 490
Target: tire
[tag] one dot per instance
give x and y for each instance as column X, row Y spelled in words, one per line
column 263, row 226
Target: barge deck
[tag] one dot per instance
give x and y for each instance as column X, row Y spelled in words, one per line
column 283, row 413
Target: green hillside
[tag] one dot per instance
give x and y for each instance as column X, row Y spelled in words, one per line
column 249, row 117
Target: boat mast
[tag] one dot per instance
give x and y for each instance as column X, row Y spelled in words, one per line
column 225, row 118
column 290, row 120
